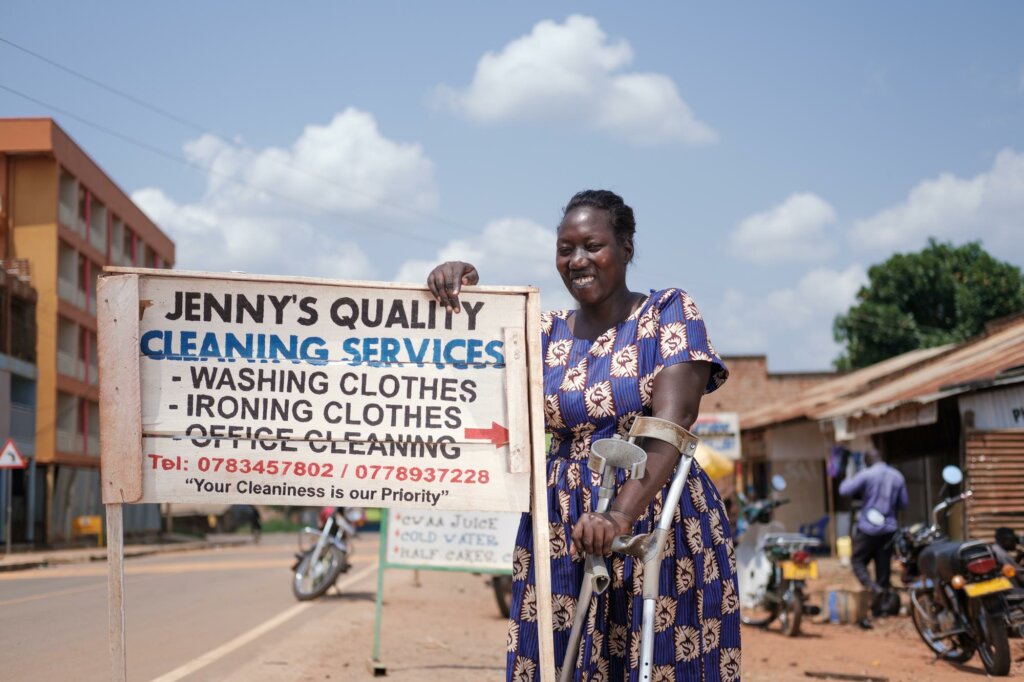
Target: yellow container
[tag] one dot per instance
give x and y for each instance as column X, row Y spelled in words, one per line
column 844, row 549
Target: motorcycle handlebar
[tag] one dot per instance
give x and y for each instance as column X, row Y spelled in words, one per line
column 946, row 503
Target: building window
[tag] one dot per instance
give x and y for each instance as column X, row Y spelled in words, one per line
column 69, row 276
column 69, row 342
column 92, row 428
column 67, row 208
column 116, row 241
column 82, row 219
column 98, row 226
column 69, row 423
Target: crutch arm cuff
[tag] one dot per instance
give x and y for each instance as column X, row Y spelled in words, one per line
column 664, row 430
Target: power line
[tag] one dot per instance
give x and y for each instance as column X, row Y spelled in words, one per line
column 179, row 159
column 108, row 88
column 206, row 131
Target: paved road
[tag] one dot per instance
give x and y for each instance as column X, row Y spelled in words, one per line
column 179, row 607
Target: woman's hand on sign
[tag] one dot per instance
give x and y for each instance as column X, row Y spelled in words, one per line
column 595, row 532
column 446, row 280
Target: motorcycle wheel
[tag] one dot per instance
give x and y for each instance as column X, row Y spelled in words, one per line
column 502, row 585
column 791, row 613
column 965, row 646
column 312, row 579
column 995, row 645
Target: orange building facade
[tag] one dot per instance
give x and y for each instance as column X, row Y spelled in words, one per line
column 67, row 218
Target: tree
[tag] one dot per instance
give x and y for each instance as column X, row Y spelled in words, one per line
column 943, row 294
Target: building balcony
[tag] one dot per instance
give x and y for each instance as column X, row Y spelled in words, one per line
column 70, row 366
column 70, row 292
column 69, row 441
column 67, row 215
column 98, row 239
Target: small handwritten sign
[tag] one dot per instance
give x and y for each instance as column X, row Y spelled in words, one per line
column 469, row 541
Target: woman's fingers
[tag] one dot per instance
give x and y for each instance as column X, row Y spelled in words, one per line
column 594, row 533
column 446, row 280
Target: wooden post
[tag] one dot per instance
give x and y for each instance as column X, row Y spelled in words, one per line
column 831, row 500
column 118, row 312
column 539, row 498
column 115, row 593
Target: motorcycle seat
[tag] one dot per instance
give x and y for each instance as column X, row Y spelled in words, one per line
column 945, row 559
column 781, row 539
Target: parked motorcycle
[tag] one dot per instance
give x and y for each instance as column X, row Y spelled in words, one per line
column 1009, row 549
column 958, row 590
column 773, row 566
column 324, row 551
column 502, row 586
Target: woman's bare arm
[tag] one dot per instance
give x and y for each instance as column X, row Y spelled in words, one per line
column 676, row 398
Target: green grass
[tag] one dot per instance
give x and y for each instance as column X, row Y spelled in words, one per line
column 278, row 526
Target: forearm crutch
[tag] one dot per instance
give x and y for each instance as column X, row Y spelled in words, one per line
column 648, row 547
column 606, row 456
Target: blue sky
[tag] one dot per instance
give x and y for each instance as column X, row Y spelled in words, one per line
column 771, row 151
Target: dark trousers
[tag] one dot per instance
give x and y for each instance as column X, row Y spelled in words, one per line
column 877, row 548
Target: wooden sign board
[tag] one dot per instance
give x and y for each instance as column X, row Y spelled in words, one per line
column 255, row 391
column 247, row 389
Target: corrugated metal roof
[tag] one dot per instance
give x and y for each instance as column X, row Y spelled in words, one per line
column 829, row 393
column 975, row 360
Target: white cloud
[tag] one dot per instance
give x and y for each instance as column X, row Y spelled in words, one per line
column 793, row 231
column 292, row 211
column 795, row 323
column 572, row 73
column 988, row 206
column 509, row 251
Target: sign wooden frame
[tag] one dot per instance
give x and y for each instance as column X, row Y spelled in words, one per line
column 120, row 312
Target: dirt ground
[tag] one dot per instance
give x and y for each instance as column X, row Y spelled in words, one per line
column 446, row 626
column 892, row 650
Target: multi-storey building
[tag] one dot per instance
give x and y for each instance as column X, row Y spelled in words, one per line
column 17, row 398
column 60, row 212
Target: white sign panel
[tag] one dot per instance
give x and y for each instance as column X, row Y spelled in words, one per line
column 11, row 458
column 719, row 431
column 472, row 541
column 270, row 392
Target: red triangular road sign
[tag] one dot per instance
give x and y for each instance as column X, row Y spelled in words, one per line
column 10, row 458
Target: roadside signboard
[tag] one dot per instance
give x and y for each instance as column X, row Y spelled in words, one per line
column 481, row 542
column 245, row 389
column 11, row 458
column 719, row 431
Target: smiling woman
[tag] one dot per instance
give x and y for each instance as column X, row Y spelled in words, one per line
column 621, row 355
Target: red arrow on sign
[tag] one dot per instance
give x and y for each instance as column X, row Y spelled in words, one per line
column 497, row 434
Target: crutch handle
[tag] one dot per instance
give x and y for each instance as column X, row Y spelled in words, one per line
column 635, row 546
column 597, row 573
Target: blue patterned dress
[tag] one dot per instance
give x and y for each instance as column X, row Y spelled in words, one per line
column 593, row 390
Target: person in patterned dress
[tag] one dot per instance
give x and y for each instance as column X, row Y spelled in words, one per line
column 617, row 356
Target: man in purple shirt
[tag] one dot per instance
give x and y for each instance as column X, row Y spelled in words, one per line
column 883, row 491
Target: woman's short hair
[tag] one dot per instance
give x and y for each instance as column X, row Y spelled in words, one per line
column 623, row 222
